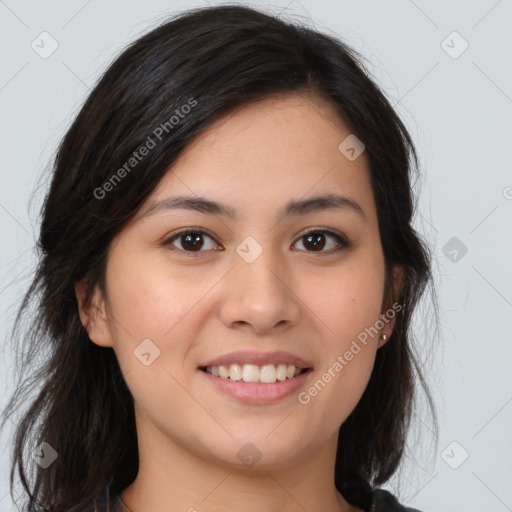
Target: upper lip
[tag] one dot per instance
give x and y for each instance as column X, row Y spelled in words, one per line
column 258, row 358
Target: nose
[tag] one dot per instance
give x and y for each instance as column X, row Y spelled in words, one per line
column 259, row 296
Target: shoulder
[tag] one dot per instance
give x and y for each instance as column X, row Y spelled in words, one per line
column 384, row 501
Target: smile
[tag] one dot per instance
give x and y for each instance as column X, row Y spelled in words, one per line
column 255, row 391
column 251, row 373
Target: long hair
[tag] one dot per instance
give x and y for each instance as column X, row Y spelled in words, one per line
column 204, row 63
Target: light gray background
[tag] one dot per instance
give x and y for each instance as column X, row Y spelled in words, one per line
column 459, row 112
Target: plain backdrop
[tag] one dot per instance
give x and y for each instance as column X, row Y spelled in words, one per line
column 447, row 68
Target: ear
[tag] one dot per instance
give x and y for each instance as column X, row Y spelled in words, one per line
column 93, row 314
column 398, row 281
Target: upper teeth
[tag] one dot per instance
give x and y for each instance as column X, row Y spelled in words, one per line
column 267, row 373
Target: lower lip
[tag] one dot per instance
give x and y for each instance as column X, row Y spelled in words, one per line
column 254, row 393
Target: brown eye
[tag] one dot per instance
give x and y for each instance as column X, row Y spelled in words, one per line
column 315, row 241
column 193, row 241
column 190, row 241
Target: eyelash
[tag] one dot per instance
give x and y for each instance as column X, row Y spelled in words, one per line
column 343, row 243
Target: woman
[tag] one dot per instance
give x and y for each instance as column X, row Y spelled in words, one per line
column 228, row 273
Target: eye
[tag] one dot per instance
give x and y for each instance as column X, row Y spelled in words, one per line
column 191, row 240
column 315, row 239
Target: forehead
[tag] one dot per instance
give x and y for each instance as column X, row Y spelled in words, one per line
column 267, row 153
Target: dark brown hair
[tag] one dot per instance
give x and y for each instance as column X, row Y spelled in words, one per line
column 221, row 58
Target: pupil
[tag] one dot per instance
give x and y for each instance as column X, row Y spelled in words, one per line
column 193, row 240
column 316, row 244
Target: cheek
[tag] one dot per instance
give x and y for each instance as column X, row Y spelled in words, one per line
column 347, row 300
column 347, row 305
column 149, row 300
column 146, row 298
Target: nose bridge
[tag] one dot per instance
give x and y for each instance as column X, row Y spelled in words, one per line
column 258, row 265
column 258, row 293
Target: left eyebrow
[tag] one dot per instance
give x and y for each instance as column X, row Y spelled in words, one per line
column 291, row 209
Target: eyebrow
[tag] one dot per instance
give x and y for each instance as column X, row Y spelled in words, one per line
column 291, row 209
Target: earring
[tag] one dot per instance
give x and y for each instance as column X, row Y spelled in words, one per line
column 384, row 337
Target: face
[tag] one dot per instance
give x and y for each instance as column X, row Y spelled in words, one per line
column 187, row 286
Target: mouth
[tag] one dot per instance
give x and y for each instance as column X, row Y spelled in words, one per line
column 257, row 385
column 255, row 374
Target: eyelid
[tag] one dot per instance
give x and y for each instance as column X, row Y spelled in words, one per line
column 189, row 229
column 324, row 229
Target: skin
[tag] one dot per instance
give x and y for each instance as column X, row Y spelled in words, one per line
column 194, row 308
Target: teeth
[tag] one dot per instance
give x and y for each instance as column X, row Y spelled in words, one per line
column 235, row 372
column 250, row 373
column 281, row 372
column 267, row 373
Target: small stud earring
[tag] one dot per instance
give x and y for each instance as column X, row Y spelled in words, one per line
column 384, row 337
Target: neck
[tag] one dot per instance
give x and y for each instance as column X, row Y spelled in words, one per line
column 173, row 477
